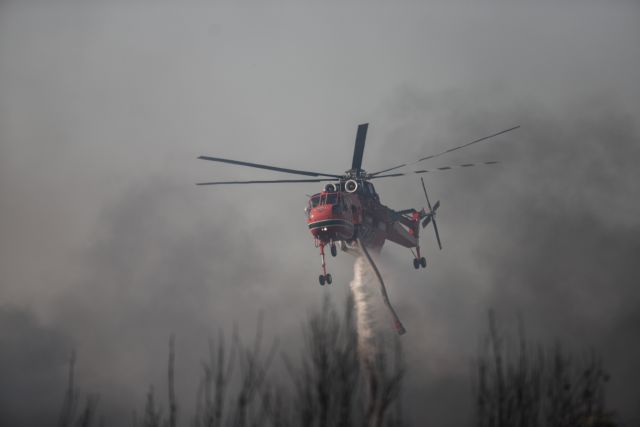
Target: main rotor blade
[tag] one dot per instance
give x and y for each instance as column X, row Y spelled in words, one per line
column 387, row 176
column 442, row 168
column 446, row 151
column 358, row 150
column 273, row 168
column 275, row 181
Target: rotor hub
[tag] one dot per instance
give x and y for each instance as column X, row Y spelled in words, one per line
column 355, row 174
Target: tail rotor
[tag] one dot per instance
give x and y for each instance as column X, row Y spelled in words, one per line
column 430, row 217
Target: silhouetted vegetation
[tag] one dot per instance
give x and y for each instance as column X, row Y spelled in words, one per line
column 70, row 415
column 330, row 383
column 534, row 386
column 334, row 385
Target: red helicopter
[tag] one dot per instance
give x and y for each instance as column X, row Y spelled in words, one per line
column 348, row 211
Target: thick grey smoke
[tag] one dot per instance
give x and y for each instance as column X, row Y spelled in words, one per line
column 107, row 247
column 33, row 363
column 552, row 234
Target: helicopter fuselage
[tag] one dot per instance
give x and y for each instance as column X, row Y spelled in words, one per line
column 351, row 209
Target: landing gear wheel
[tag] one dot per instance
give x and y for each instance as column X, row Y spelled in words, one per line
column 423, row 262
column 416, row 263
column 321, row 279
column 329, row 279
column 334, row 250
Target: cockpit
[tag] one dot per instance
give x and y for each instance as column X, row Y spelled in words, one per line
column 315, row 200
column 323, row 199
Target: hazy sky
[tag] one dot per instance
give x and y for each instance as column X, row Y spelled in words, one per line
column 106, row 245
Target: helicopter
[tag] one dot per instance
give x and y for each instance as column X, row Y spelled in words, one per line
column 348, row 211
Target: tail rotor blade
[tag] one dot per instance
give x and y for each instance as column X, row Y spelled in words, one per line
column 435, row 228
column 431, row 216
column 425, row 194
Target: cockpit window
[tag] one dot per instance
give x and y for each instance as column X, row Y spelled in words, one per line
column 323, row 199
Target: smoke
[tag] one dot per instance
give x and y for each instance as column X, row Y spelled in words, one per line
column 100, row 100
column 33, row 363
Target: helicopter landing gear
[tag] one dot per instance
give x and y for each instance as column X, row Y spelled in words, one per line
column 326, row 277
column 334, row 250
column 419, row 261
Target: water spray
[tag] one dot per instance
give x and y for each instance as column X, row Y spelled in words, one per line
column 383, row 290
